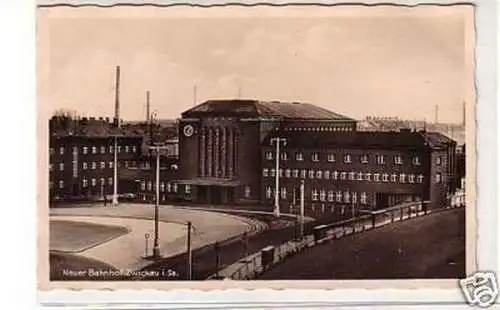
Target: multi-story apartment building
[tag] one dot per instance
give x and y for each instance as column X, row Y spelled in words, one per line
column 81, row 157
column 368, row 170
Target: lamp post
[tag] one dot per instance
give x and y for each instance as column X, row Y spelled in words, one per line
column 277, row 141
column 301, row 209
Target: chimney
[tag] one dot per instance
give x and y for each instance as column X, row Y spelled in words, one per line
column 117, row 97
column 147, row 106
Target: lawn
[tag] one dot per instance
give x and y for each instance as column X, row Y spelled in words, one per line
column 432, row 246
column 74, row 237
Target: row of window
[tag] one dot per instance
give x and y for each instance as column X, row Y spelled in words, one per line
column 168, row 187
column 93, row 165
column 95, row 149
column 85, row 182
column 347, row 158
column 351, row 176
column 323, row 195
column 339, row 128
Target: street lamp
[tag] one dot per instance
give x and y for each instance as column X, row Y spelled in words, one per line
column 277, row 141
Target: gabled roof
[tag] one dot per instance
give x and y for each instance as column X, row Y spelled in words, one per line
column 358, row 139
column 256, row 108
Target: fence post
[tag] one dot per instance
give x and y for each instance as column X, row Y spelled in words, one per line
column 392, row 217
column 401, row 214
column 373, row 220
column 217, row 253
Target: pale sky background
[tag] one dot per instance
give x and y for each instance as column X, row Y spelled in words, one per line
column 388, row 64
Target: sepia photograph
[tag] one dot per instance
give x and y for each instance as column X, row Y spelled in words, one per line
column 255, row 143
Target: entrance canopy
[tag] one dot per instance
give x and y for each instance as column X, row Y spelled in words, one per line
column 211, row 182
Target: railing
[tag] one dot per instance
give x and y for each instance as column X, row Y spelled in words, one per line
column 253, row 265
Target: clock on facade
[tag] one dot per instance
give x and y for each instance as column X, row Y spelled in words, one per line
column 188, row 130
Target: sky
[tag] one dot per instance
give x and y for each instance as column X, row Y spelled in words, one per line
column 356, row 61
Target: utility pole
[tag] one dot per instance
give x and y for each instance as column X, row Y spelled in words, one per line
column 302, row 209
column 190, row 254
column 117, row 124
column 436, row 115
column 195, row 94
column 277, row 141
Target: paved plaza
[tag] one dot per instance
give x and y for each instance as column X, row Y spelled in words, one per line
column 120, row 239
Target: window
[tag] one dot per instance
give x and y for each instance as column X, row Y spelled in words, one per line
column 119, row 147
column 175, row 187
column 354, row 197
column 326, row 174
column 438, row 160
column 51, row 167
column 287, row 173
column 85, row 183
column 283, row 193
column 94, row 165
column 265, row 172
column 143, row 185
column 311, row 174
column 295, row 173
column 363, row 159
column 61, row 184
column 101, row 181
column 103, row 149
column 162, row 186
column 402, row 178
column 94, row 182
column 110, row 181
column 247, row 191
column 284, row 156
column 315, row 157
column 51, row 151
column 303, row 173
column 273, row 173
column 420, row 178
column 187, row 187
column 111, row 149
column 51, row 184
column 61, row 150
column 411, row 178
column 385, row 177
column 299, row 156
column 319, row 174
column 126, row 164
column 438, row 178
column 169, row 187
column 347, row 158
column 269, row 192
column 102, row 165
column 335, row 175
column 363, row 198
column 398, row 160
column 376, row 177
column 75, row 150
column 269, row 155
column 330, row 196
column 85, row 150
column 127, row 148
column 352, row 176
column 150, row 185
column 380, row 159
column 416, row 161
column 330, row 158
column 134, row 149
column 110, row 165
column 343, row 175
column 368, row 176
column 322, row 195
column 338, row 196
column 360, row 176
column 84, row 166
column 394, row 177
column 280, row 173
column 61, row 167
column 94, row 150
column 314, row 195
column 347, row 197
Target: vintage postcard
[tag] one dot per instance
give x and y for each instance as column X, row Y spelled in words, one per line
column 256, row 147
